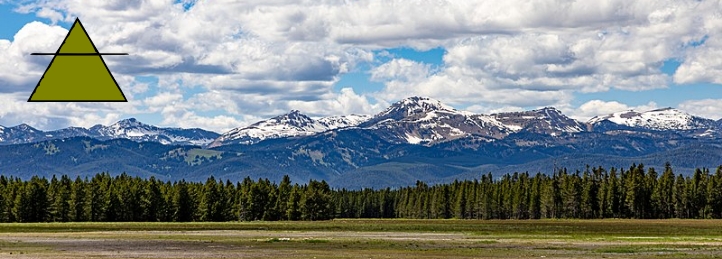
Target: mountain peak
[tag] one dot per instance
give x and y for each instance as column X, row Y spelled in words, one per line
column 129, row 122
column 424, row 102
column 24, row 126
column 291, row 124
column 293, row 118
column 668, row 118
column 414, row 105
column 548, row 111
column 547, row 120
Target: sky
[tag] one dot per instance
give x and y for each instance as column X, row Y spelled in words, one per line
column 224, row 64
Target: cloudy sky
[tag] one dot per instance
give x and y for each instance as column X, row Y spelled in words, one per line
column 222, row 64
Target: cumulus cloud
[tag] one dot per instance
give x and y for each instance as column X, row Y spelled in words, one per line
column 345, row 102
column 14, row 110
column 702, row 58
column 19, row 70
column 401, row 70
column 706, row 108
column 220, row 61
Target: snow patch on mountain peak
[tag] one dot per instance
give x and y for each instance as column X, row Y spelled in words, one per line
column 660, row 119
column 335, row 122
column 415, row 105
column 292, row 124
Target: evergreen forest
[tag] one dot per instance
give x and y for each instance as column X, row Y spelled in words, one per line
column 596, row 192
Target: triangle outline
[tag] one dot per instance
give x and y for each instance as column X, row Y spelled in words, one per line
column 85, row 33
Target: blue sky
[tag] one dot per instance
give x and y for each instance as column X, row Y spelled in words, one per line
column 223, row 65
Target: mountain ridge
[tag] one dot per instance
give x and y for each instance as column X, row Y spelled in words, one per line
column 130, row 128
column 414, row 120
column 415, row 138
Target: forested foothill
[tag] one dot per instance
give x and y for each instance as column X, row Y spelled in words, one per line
column 596, row 192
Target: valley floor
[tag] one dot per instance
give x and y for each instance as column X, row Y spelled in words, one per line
column 611, row 238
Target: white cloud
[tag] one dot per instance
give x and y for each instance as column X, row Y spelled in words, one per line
column 706, row 108
column 703, row 63
column 19, row 71
column 480, row 109
column 344, row 103
column 401, row 70
column 14, row 109
column 227, row 59
column 189, row 119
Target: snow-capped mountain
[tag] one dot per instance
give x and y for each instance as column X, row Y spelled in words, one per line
column 335, row 122
column 135, row 130
column 364, row 150
column 292, row 124
column 659, row 119
column 19, row 134
column 547, row 120
column 128, row 129
column 422, row 120
column 414, row 120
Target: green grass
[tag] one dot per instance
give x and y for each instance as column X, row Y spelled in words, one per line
column 193, row 156
column 609, row 228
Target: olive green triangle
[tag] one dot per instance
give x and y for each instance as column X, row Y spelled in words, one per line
column 77, row 41
column 77, row 78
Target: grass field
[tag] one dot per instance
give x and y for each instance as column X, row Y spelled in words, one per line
column 368, row 239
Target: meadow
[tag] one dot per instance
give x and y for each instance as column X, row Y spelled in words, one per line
column 355, row 238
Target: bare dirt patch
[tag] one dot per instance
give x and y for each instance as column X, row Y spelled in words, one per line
column 339, row 244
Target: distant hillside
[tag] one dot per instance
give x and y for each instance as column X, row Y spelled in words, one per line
column 414, row 139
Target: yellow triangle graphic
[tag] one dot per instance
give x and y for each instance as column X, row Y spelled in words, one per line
column 77, row 73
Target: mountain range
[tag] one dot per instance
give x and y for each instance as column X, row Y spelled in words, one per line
column 130, row 129
column 416, row 138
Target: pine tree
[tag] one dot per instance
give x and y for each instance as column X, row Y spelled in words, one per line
column 244, row 199
column 680, row 197
column 259, row 199
column 4, row 196
column 284, row 192
column 315, row 202
column 590, row 195
column 715, row 199
column 460, row 204
column 112, row 204
column 78, row 198
column 183, row 203
column 636, row 191
column 293, row 210
column 652, row 201
column 32, row 203
column 270, row 213
column 211, row 201
column 53, row 199
column 535, row 199
column 62, row 199
column 664, row 193
column 96, row 194
column 152, row 201
column 230, row 207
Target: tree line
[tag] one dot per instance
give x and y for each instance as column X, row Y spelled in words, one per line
column 636, row 192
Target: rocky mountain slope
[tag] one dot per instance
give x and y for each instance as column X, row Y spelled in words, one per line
column 414, row 139
column 292, row 124
column 660, row 119
column 131, row 129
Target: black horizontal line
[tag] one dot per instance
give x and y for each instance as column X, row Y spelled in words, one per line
column 77, row 54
